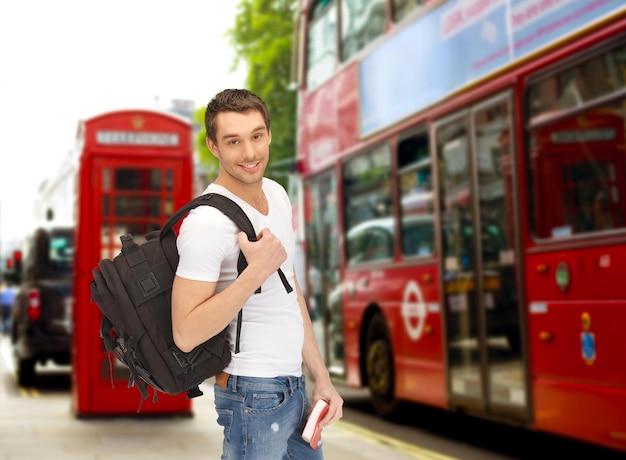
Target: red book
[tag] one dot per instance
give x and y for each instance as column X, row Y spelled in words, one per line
column 312, row 429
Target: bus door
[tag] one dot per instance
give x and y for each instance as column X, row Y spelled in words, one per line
column 479, row 262
column 323, row 283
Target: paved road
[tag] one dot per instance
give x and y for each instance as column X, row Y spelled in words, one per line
column 37, row 423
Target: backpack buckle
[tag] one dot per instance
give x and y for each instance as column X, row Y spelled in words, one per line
column 148, row 284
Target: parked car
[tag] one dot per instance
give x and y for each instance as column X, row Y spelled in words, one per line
column 42, row 308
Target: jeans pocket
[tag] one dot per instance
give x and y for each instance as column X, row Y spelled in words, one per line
column 267, row 401
column 225, row 420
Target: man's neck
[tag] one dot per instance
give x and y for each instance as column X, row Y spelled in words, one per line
column 250, row 193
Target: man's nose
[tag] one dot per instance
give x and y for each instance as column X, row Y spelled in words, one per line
column 248, row 150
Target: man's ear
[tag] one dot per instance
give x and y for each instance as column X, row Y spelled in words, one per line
column 212, row 147
column 270, row 136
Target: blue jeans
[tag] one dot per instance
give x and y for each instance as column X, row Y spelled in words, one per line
column 263, row 419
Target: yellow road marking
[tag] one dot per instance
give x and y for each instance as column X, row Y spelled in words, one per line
column 29, row 392
column 396, row 444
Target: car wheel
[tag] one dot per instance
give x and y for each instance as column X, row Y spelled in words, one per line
column 379, row 367
column 25, row 369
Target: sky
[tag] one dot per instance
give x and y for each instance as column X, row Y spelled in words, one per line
column 66, row 60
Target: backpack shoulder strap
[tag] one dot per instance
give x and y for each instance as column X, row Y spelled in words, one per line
column 234, row 212
column 237, row 215
column 182, row 212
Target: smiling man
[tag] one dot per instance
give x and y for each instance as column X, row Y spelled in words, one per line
column 260, row 397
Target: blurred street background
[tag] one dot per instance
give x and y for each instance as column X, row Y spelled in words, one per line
column 457, row 174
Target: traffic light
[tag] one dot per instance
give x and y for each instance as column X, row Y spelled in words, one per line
column 17, row 265
column 13, row 272
column 17, row 260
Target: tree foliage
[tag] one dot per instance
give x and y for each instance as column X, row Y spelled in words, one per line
column 262, row 39
column 208, row 163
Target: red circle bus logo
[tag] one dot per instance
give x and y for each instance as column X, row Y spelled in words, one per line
column 413, row 310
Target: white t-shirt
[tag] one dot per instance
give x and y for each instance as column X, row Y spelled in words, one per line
column 272, row 333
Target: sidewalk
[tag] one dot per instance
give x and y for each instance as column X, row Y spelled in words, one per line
column 37, row 425
column 42, row 427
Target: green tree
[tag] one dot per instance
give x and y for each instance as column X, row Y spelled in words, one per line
column 208, row 162
column 262, row 38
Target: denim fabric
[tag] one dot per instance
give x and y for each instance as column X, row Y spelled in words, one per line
column 263, row 419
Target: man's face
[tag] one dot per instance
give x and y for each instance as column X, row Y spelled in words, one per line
column 242, row 146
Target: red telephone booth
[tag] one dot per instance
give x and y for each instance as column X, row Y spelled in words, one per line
column 135, row 170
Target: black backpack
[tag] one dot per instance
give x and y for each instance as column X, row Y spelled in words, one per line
column 134, row 294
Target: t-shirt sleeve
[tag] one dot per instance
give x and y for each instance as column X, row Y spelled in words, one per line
column 205, row 239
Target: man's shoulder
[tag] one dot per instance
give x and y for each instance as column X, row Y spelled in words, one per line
column 207, row 218
column 271, row 186
column 267, row 182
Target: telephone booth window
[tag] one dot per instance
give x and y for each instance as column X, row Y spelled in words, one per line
column 106, row 180
column 169, row 180
column 136, row 201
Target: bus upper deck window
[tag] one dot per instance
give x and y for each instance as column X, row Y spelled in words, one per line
column 362, row 21
column 322, row 43
column 403, row 8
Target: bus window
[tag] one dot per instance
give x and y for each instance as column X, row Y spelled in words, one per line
column 578, row 161
column 322, row 43
column 570, row 88
column 416, row 196
column 368, row 206
column 402, row 8
column 362, row 21
column 324, row 287
column 371, row 241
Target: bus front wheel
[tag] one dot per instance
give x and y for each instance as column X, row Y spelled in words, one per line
column 379, row 367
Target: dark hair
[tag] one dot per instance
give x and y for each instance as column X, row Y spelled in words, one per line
column 233, row 100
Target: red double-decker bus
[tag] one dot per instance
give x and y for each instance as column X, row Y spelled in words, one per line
column 463, row 164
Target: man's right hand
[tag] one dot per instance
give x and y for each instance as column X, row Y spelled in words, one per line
column 264, row 256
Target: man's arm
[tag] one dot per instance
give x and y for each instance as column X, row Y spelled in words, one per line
column 314, row 363
column 199, row 314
